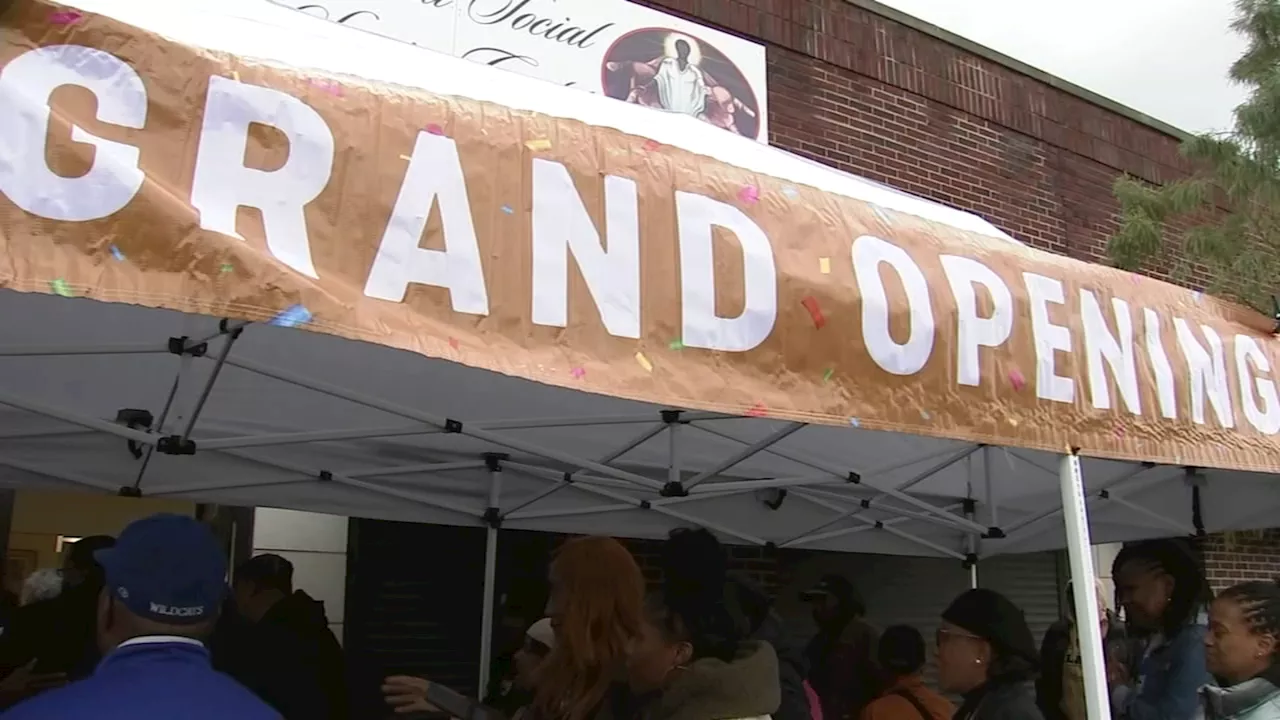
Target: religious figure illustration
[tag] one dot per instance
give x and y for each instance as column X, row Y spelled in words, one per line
column 676, row 82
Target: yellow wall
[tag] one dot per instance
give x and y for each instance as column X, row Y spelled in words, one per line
column 40, row 517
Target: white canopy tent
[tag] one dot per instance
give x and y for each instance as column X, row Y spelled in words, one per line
column 115, row 397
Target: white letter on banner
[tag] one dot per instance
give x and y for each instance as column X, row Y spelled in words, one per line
column 434, row 174
column 561, row 225
column 222, row 184
column 974, row 332
column 1100, row 346
column 1049, row 338
column 910, row 357
column 1160, row 366
column 26, row 85
column 696, row 215
column 1208, row 371
column 1265, row 418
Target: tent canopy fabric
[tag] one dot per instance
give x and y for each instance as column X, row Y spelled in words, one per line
column 154, row 381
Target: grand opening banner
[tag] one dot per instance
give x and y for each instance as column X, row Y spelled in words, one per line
column 612, row 47
column 220, row 158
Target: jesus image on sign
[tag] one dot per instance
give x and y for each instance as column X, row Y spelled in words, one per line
column 676, row 78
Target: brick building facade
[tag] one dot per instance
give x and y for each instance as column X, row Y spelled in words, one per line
column 866, row 89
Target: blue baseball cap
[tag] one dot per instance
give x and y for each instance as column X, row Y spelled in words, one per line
column 167, row 568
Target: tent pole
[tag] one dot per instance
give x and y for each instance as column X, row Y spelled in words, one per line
column 992, row 510
column 494, row 518
column 1080, row 552
column 673, row 450
column 69, row 350
column 971, row 543
column 745, row 453
column 184, row 368
column 208, row 384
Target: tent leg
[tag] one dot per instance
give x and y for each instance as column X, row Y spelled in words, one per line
column 494, row 518
column 184, row 368
column 971, row 544
column 1080, row 552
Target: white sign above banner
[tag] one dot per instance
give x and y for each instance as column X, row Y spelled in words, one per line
column 613, row 47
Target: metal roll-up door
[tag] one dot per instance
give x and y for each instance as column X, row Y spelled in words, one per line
column 915, row 591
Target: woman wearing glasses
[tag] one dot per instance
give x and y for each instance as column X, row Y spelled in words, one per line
column 986, row 655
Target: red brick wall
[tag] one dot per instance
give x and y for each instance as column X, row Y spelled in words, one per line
column 1236, row 557
column 871, row 96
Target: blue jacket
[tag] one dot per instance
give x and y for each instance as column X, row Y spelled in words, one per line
column 1169, row 679
column 157, row 678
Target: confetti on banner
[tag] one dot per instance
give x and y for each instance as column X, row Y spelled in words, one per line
column 453, row 343
column 1197, row 296
column 757, row 410
column 824, row 266
column 226, row 268
column 855, row 422
column 578, row 373
column 826, row 376
column 435, row 129
column 810, row 303
column 1016, row 380
column 330, row 86
column 644, row 362
column 1013, row 422
column 881, row 215
column 749, row 194
column 61, row 287
column 115, row 253
column 651, row 145
column 924, row 415
column 675, row 345
column 406, row 158
column 292, row 316
column 790, row 192
column 507, row 209
column 539, row 144
column 66, row 17
column 235, row 76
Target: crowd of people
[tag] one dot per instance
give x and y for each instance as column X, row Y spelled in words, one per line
column 147, row 625
column 708, row 646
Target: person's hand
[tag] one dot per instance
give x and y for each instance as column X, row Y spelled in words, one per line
column 25, row 681
column 407, row 694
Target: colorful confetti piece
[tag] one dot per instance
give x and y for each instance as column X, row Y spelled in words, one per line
column 539, row 144
column 115, row 253
column 651, row 145
column 881, row 215
column 507, row 209
column 66, row 17
column 757, row 410
column 1198, row 297
column 1016, row 380
column 676, row 345
column 226, row 268
column 405, row 158
column 435, row 129
column 235, row 76
column 291, row 316
column 578, row 373
column 453, row 343
column 1013, row 422
column 810, row 303
column 749, row 194
column 790, row 192
column 61, row 287
column 827, row 374
column 333, row 87
column 924, row 415
column 855, row 422
column 824, row 266
column 644, row 362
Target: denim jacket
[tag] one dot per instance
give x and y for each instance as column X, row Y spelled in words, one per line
column 1168, row 680
column 1255, row 699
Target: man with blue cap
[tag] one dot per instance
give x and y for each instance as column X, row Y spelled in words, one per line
column 165, row 581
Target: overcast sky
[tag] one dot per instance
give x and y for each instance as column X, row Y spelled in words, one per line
column 1166, row 58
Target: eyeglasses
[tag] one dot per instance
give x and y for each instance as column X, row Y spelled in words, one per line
column 943, row 635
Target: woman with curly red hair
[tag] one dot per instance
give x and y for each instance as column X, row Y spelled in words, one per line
column 596, row 608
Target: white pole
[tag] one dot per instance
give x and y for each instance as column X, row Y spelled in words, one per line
column 490, row 571
column 1080, row 551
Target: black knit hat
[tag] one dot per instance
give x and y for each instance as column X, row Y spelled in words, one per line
column 994, row 618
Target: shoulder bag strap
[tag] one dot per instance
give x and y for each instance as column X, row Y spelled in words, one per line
column 906, row 695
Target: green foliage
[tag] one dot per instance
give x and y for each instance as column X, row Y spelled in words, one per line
column 1238, row 170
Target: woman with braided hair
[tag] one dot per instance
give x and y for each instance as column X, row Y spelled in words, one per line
column 1241, row 651
column 1165, row 596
